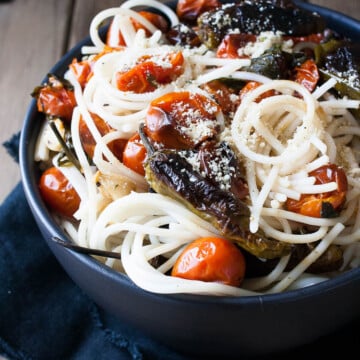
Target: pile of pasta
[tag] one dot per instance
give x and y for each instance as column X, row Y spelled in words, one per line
column 280, row 140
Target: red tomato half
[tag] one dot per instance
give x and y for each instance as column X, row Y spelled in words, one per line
column 231, row 43
column 307, row 74
column 182, row 120
column 89, row 143
column 134, row 154
column 189, row 10
column 55, row 99
column 147, row 74
column 58, row 193
column 322, row 205
column 252, row 85
column 211, row 259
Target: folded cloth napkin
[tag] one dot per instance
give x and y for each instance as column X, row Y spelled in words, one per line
column 44, row 315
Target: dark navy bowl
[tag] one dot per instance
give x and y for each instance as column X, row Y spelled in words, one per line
column 200, row 325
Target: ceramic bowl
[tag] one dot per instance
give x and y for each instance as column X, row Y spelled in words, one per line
column 200, row 325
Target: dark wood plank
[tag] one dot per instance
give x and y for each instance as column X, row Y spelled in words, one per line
column 83, row 13
column 32, row 40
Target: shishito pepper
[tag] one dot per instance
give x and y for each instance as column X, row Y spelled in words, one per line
column 169, row 173
column 253, row 17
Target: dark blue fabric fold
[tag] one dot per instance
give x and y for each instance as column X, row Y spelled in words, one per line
column 43, row 314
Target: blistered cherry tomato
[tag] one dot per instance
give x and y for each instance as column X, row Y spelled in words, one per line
column 134, row 154
column 326, row 204
column 231, row 43
column 83, row 70
column 211, row 259
column 307, row 74
column 58, row 193
column 189, row 10
column 147, row 74
column 116, row 39
column 224, row 95
column 89, row 143
column 56, row 99
column 182, row 120
column 252, row 85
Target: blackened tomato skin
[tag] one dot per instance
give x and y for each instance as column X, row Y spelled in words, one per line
column 58, row 193
column 211, row 259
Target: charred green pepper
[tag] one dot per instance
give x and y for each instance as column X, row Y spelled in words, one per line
column 253, row 17
column 343, row 64
column 169, row 173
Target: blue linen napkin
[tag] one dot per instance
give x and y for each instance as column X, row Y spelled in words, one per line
column 44, row 315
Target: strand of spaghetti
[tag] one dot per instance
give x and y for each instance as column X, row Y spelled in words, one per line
column 250, row 76
column 125, row 26
column 347, row 130
column 221, row 72
column 308, row 260
column 88, row 207
column 147, row 229
column 95, row 24
column 289, row 215
column 155, row 4
column 259, row 201
column 257, row 284
column 161, row 249
column 324, row 88
column 170, row 262
column 340, row 104
column 209, row 59
column 293, row 238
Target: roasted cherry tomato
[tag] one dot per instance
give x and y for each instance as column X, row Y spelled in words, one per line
column 231, row 43
column 134, row 154
column 224, row 95
column 250, row 86
column 58, row 193
column 147, row 74
column 56, row 98
column 211, row 259
column 307, row 74
column 116, row 39
column 327, row 204
column 88, row 142
column 189, row 10
column 82, row 71
column 182, row 120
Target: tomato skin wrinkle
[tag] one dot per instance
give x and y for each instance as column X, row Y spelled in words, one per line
column 211, row 259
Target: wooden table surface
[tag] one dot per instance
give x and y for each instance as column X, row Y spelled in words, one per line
column 34, row 34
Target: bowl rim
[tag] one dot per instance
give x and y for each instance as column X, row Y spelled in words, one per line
column 336, row 20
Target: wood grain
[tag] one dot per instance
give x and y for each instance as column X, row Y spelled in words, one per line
column 33, row 36
column 30, row 45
